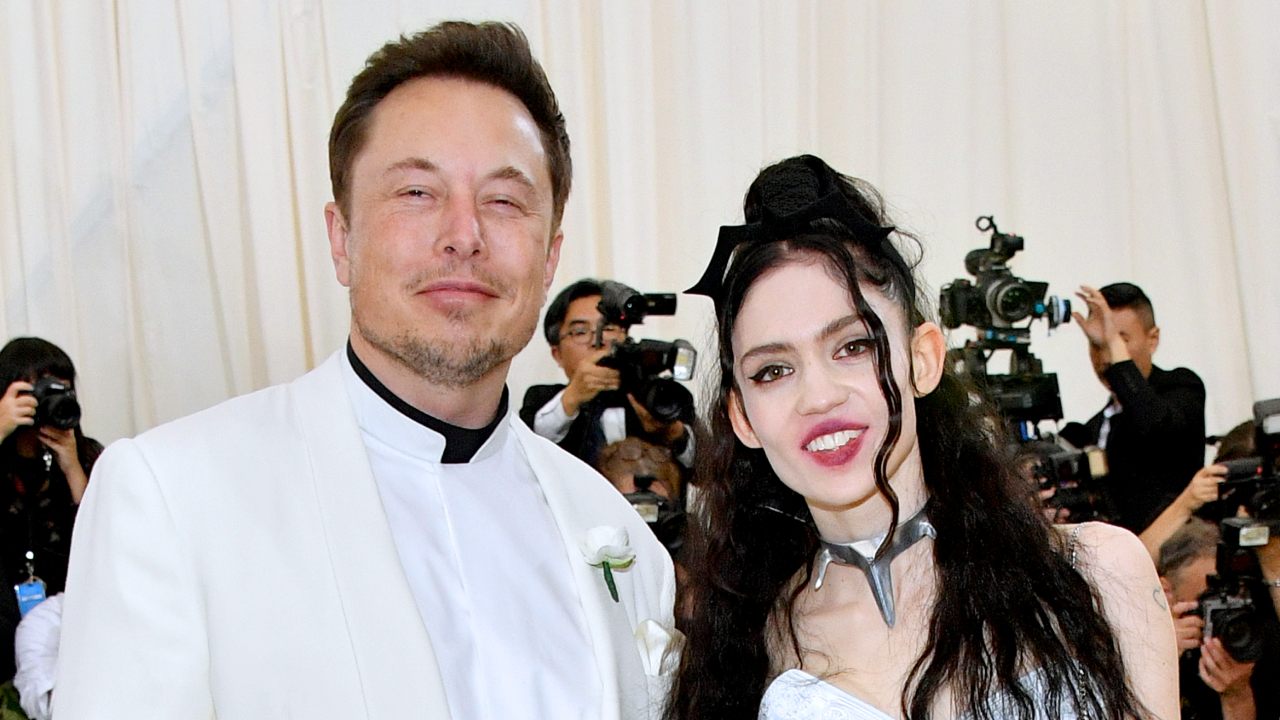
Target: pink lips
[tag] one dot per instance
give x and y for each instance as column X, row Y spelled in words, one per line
column 840, row 455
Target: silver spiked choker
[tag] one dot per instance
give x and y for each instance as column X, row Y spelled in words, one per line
column 861, row 554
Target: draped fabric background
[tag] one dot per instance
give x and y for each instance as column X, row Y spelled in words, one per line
column 163, row 166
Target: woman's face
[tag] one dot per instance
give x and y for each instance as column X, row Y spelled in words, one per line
column 803, row 361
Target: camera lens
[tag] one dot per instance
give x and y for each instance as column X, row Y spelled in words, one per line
column 63, row 412
column 56, row 404
column 1010, row 301
column 1240, row 631
column 667, row 400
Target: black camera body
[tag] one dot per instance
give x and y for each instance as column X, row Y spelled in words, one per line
column 665, row 517
column 56, row 404
column 1230, row 605
column 1069, row 473
column 999, row 298
column 1230, row 615
column 650, row 370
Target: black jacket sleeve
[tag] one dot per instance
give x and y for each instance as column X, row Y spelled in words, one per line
column 534, row 398
column 1176, row 407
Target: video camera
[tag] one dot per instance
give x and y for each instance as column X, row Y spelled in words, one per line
column 992, row 304
column 999, row 298
column 648, row 369
column 1229, row 607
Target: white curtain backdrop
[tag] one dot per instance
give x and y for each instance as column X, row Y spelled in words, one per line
column 163, row 166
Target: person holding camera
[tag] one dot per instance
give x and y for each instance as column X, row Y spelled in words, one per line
column 45, row 459
column 1152, row 428
column 1214, row 684
column 590, row 412
column 1201, row 496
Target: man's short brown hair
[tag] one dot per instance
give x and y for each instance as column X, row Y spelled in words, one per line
column 493, row 53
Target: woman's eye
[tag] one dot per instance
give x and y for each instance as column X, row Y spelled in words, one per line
column 855, row 347
column 416, row 192
column 769, row 373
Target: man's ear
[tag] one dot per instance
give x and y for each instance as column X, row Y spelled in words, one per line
column 1153, row 338
column 553, row 260
column 555, row 355
column 928, row 357
column 338, row 237
column 741, row 425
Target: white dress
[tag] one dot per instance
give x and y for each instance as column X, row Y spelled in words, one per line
column 797, row 695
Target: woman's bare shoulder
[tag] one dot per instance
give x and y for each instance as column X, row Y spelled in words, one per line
column 1098, row 546
column 1117, row 565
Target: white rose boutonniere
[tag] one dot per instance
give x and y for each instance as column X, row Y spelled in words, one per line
column 609, row 548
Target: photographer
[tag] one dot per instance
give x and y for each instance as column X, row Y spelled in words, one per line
column 1214, row 684
column 590, row 413
column 1152, row 428
column 1200, row 495
column 45, row 459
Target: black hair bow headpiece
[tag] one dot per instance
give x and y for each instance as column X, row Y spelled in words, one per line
column 774, row 227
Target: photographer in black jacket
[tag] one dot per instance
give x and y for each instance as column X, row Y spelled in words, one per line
column 590, row 413
column 1152, row 428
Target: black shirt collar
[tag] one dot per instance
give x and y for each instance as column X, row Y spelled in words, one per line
column 460, row 444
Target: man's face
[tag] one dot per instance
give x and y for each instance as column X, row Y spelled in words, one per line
column 577, row 332
column 1190, row 581
column 449, row 248
column 1141, row 342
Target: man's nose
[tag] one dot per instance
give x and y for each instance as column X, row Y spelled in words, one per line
column 460, row 232
column 820, row 391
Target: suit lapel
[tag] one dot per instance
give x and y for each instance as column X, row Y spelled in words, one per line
column 399, row 674
column 609, row 623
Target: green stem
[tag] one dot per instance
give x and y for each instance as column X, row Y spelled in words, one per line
column 608, row 580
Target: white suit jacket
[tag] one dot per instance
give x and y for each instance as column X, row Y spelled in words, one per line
column 237, row 563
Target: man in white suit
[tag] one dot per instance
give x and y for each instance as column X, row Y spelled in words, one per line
column 382, row 538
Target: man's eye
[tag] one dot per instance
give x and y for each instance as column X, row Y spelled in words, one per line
column 769, row 373
column 505, row 203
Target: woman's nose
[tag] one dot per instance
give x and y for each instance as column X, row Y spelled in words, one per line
column 820, row 392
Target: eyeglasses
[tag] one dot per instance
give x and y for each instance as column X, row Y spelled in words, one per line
column 583, row 334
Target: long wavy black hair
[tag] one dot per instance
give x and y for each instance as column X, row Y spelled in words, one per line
column 1008, row 598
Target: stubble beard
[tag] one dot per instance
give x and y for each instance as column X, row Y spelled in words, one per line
column 438, row 363
column 444, row 362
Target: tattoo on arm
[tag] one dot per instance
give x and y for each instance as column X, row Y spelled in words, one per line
column 1158, row 596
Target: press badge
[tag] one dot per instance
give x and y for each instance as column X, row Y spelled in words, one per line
column 30, row 594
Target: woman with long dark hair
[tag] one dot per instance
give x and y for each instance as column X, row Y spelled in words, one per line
column 45, row 461
column 865, row 549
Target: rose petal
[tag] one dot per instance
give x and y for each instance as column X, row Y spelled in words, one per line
column 605, row 542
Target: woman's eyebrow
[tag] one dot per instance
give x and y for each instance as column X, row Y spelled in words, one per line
column 766, row 349
column 831, row 328
column 837, row 325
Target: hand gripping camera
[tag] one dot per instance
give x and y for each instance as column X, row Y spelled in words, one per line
column 1230, row 605
column 648, row 369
